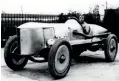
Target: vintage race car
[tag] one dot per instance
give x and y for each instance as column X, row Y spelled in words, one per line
column 57, row 43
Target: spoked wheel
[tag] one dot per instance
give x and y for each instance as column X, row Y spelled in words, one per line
column 12, row 56
column 59, row 59
column 111, row 48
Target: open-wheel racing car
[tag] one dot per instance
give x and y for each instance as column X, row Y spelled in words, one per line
column 57, row 43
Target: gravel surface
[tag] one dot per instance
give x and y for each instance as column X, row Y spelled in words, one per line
column 91, row 67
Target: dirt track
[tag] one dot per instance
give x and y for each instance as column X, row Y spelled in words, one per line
column 92, row 67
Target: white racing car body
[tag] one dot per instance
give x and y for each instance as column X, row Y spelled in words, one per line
column 36, row 36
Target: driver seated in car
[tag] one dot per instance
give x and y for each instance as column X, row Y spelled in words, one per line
column 90, row 29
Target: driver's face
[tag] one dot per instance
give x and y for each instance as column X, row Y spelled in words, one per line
column 81, row 19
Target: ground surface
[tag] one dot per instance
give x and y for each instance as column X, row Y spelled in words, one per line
column 92, row 67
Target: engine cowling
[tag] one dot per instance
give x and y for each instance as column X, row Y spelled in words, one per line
column 33, row 39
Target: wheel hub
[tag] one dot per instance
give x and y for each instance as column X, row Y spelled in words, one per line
column 62, row 58
column 112, row 48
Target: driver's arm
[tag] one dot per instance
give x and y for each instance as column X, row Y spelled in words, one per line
column 75, row 32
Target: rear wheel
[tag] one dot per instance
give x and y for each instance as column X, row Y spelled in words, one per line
column 111, row 48
column 59, row 59
column 12, row 56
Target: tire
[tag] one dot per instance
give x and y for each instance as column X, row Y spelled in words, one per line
column 111, row 47
column 14, row 62
column 59, row 59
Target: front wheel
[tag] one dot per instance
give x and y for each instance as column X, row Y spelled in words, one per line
column 12, row 56
column 59, row 59
column 111, row 48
